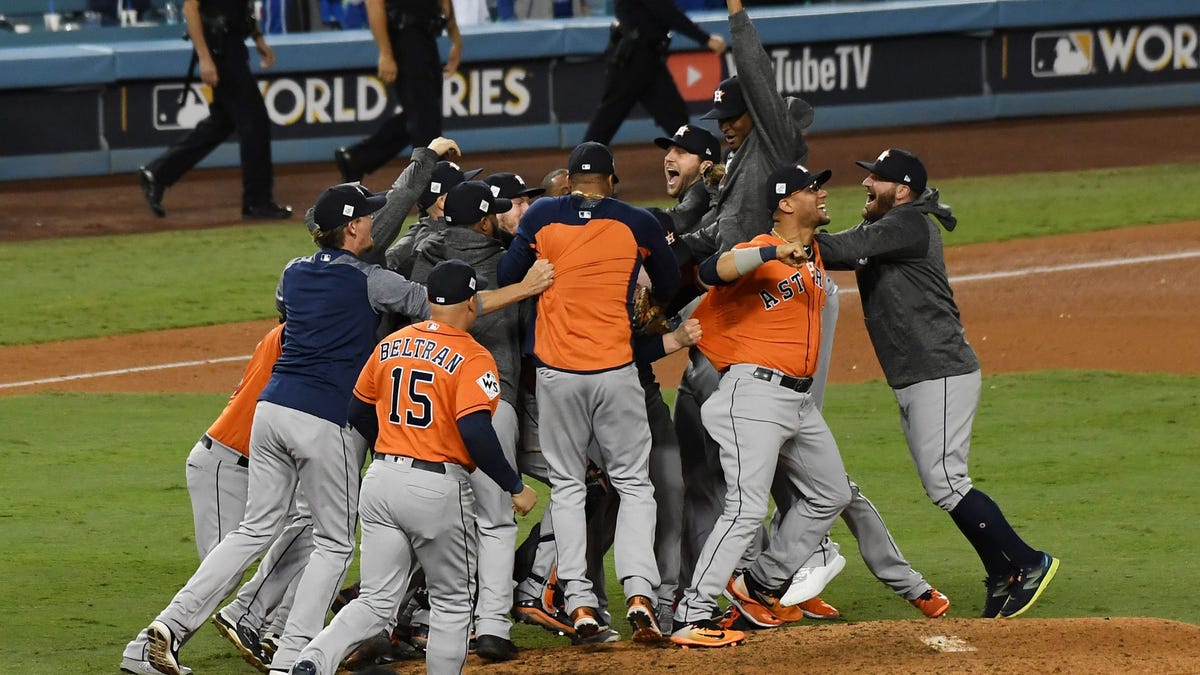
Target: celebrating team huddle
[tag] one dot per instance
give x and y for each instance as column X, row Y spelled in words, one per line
column 512, row 332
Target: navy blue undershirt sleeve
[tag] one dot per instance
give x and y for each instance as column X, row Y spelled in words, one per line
column 484, row 447
column 362, row 417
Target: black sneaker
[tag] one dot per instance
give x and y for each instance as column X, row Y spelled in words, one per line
column 997, row 595
column 267, row 211
column 163, row 649
column 345, row 166
column 495, row 648
column 244, row 639
column 152, row 190
column 1028, row 584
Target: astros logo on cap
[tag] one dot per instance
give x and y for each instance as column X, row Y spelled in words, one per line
column 718, row 95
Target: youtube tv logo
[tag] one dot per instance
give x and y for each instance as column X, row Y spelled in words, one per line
column 696, row 74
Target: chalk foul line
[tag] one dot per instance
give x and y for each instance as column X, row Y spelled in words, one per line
column 965, row 278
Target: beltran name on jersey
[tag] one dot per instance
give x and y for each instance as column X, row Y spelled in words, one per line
column 421, row 348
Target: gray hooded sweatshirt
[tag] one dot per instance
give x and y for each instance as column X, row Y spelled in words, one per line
column 908, row 305
column 777, row 138
column 498, row 331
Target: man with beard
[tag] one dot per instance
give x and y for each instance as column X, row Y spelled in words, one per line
column 913, row 321
column 511, row 186
column 692, row 154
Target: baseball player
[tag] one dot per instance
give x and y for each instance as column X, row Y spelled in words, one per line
column 445, row 176
column 511, row 186
column 913, row 322
column 217, row 471
column 332, row 301
column 692, row 154
column 586, row 381
column 763, row 131
column 428, row 394
column 762, row 325
column 471, row 215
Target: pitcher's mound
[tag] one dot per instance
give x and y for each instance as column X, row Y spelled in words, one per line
column 998, row 646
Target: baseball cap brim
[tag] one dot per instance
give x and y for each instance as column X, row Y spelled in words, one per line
column 723, row 112
column 471, row 173
column 822, row 177
column 374, row 203
column 532, row 192
column 501, row 205
column 664, row 143
column 869, row 166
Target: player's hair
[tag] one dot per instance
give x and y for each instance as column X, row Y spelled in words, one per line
column 714, row 174
column 330, row 238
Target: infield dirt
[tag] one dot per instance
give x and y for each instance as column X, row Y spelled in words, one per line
column 1105, row 312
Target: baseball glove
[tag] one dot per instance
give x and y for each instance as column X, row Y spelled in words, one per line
column 648, row 317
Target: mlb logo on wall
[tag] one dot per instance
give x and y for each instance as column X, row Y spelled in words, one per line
column 174, row 111
column 1062, row 53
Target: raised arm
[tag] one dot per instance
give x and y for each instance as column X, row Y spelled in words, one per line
column 756, row 72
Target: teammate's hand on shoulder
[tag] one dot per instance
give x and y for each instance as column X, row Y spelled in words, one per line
column 716, row 44
column 387, row 68
column 445, row 147
column 539, row 277
column 524, row 502
column 793, row 253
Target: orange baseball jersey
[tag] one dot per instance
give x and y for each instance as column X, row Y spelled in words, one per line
column 232, row 427
column 770, row 317
column 421, row 380
column 598, row 248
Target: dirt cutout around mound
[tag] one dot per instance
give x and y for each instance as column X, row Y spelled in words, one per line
column 993, row 646
column 1075, row 301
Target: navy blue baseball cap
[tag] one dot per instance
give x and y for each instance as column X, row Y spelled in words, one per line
column 728, row 100
column 695, row 140
column 510, row 186
column 467, row 203
column 450, row 282
column 592, row 157
column 445, row 176
column 788, row 179
column 342, row 203
column 899, row 166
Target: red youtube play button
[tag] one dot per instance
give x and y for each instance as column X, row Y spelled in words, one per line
column 696, row 74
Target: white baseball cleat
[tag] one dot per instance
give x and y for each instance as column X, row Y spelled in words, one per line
column 808, row 582
column 163, row 652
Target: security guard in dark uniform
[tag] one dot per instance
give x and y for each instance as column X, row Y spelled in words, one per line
column 406, row 32
column 218, row 30
column 637, row 66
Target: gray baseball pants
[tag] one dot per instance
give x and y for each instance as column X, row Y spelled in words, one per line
column 937, row 416
column 288, row 447
column 217, row 488
column 410, row 516
column 573, row 409
column 760, row 426
column 497, row 535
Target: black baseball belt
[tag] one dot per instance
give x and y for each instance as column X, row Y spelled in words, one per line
column 798, row 384
column 422, row 464
column 242, row 460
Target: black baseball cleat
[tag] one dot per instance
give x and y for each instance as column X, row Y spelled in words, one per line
column 495, row 648
column 304, row 667
column 345, row 166
column 152, row 190
column 266, row 211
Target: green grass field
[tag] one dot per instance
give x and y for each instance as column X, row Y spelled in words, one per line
column 1096, row 467
column 92, row 286
column 1099, row 468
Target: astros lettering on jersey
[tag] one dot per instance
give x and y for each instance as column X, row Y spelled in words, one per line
column 422, row 379
column 753, row 320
